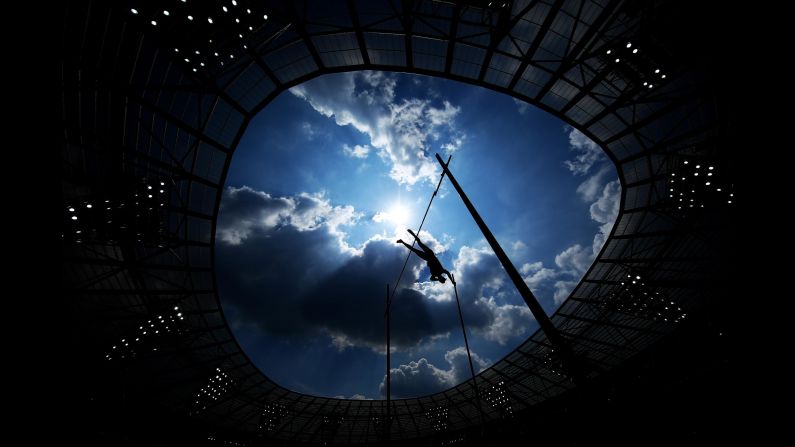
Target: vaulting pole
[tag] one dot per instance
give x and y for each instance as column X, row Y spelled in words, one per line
column 557, row 341
column 388, row 422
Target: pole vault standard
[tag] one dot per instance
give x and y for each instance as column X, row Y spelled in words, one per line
column 557, row 341
column 469, row 354
column 388, row 422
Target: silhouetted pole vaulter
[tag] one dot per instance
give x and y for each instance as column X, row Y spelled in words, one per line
column 406, row 262
column 427, row 255
column 567, row 355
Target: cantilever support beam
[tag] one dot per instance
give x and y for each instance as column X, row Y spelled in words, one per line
column 571, row 364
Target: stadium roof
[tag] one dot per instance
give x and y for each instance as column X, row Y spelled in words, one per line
column 156, row 96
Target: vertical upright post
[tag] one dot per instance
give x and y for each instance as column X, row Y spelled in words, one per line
column 469, row 354
column 557, row 341
column 388, row 422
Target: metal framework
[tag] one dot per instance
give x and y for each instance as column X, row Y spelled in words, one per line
column 156, row 100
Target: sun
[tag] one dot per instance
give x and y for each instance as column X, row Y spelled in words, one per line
column 397, row 214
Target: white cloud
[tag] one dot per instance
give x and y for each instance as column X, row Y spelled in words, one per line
column 285, row 253
column 433, row 290
column 518, row 247
column 420, row 377
column 476, row 270
column 508, row 320
column 522, row 106
column 354, row 397
column 381, row 216
column 454, row 144
column 357, row 151
column 459, row 363
column 341, row 341
column 480, row 264
column 404, row 132
column 574, row 260
column 252, row 210
column 383, row 85
column 310, row 211
column 562, row 289
column 483, row 290
column 417, row 379
column 536, row 273
column 592, row 187
column 440, row 117
column 308, row 130
column 605, row 211
column 588, row 152
column 245, row 210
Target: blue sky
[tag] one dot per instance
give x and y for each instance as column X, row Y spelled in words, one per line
column 333, row 172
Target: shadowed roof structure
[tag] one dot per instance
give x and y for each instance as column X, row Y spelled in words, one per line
column 156, row 96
